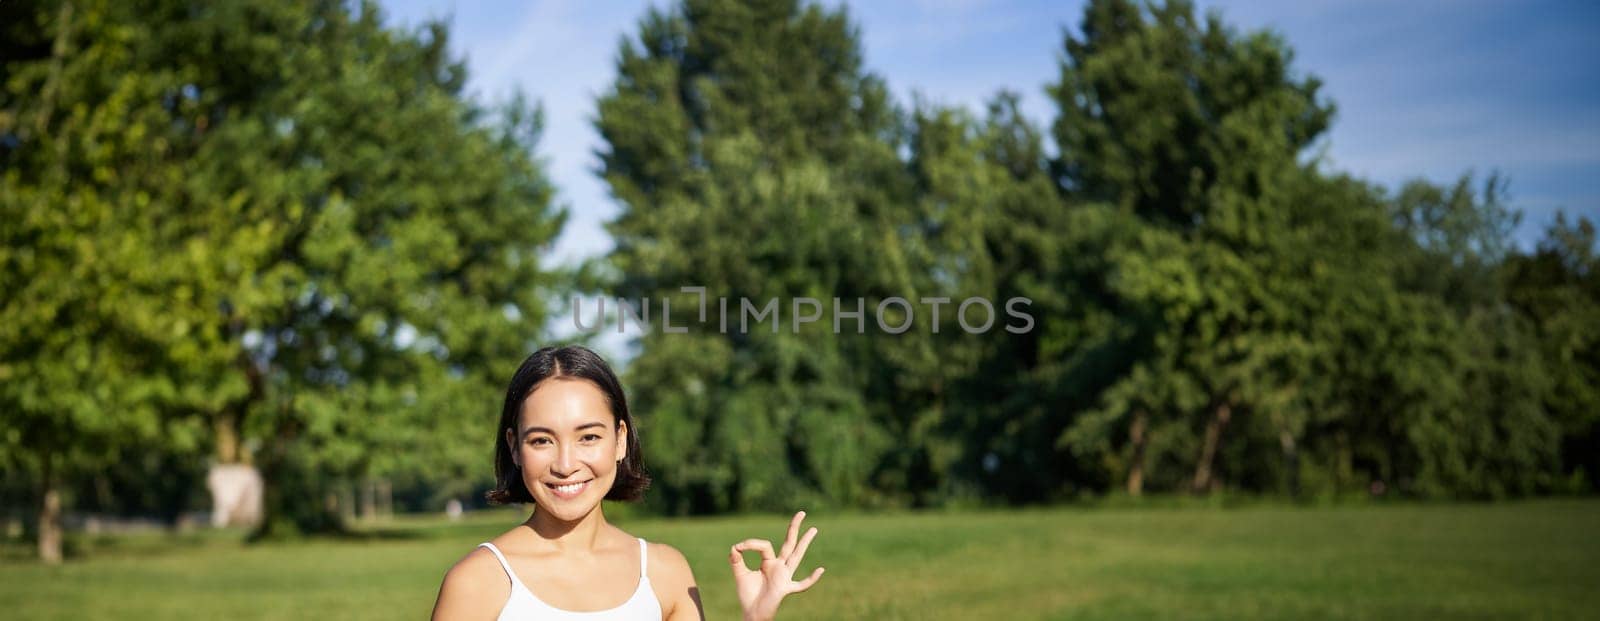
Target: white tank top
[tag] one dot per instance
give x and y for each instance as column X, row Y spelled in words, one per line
column 522, row 604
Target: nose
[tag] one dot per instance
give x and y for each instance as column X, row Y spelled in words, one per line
column 565, row 463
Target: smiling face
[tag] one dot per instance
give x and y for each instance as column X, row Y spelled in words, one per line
column 567, row 444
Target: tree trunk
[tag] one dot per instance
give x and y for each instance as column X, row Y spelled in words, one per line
column 1344, row 470
column 385, row 499
column 228, row 425
column 369, row 500
column 347, row 503
column 1203, row 479
column 237, row 490
column 1136, row 438
column 52, row 84
column 1291, row 461
column 49, row 516
column 226, row 430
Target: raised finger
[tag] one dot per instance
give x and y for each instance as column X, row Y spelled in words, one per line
column 800, row 549
column 816, row 574
column 794, row 529
column 760, row 545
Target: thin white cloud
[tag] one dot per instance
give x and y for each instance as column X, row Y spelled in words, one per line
column 1411, row 97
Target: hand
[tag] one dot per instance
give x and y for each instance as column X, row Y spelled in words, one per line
column 760, row 592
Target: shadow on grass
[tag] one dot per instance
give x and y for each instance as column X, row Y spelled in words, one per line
column 80, row 545
column 339, row 532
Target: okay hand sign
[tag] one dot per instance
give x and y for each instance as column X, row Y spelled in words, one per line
column 760, row 592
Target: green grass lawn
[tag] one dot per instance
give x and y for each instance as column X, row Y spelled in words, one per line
column 1512, row 560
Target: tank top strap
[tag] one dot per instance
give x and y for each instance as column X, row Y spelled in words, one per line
column 503, row 563
column 642, row 558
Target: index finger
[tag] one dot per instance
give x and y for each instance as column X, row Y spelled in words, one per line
column 760, row 545
column 794, row 531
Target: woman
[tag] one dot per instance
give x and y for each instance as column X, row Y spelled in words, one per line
column 567, row 442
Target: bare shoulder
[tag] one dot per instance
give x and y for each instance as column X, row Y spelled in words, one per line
column 673, row 583
column 478, row 566
column 669, row 564
column 474, row 588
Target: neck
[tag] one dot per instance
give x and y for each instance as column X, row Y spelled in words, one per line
column 582, row 533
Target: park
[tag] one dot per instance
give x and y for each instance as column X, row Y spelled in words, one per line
column 1530, row 560
column 1139, row 309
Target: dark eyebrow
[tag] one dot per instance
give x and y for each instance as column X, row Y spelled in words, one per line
column 582, row 427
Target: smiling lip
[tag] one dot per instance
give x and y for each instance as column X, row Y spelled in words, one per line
column 568, row 490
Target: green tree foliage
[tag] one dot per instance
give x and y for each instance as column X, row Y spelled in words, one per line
column 1556, row 289
column 1295, row 327
column 270, row 225
column 755, row 157
column 993, row 227
column 1195, row 131
column 85, row 315
column 278, row 232
column 1214, row 309
column 1479, row 427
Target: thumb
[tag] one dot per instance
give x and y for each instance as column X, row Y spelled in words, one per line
column 737, row 561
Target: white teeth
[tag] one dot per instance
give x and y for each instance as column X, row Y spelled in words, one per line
column 569, row 489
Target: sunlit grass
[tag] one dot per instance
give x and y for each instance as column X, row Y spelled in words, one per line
column 1533, row 560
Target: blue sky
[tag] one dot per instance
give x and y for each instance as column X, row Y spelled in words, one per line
column 1424, row 88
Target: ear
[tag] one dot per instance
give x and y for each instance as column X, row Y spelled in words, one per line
column 622, row 440
column 511, row 443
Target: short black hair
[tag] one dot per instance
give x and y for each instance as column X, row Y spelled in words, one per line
column 571, row 361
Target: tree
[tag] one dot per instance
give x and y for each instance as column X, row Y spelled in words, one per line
column 1481, row 428
column 992, row 226
column 1196, row 131
column 1557, row 289
column 755, row 157
column 84, row 316
column 326, row 250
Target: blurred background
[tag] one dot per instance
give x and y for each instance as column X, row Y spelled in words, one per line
column 1314, row 289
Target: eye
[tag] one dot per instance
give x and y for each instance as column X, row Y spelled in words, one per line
column 538, row 440
column 590, row 437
